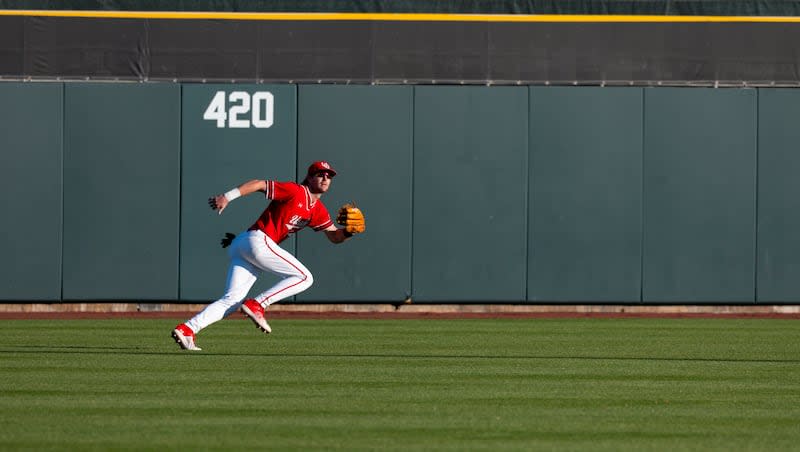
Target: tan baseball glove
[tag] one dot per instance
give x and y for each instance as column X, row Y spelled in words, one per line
column 351, row 218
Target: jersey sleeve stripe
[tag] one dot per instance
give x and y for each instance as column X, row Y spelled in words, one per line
column 323, row 226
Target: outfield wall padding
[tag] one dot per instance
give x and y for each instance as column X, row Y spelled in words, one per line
column 121, row 191
column 366, row 132
column 585, row 225
column 214, row 160
column 469, row 193
column 472, row 194
column 699, row 195
column 778, row 239
column 31, row 155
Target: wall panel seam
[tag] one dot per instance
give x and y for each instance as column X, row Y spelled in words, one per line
column 180, row 185
column 755, row 196
column 642, row 204
column 411, row 213
column 528, row 196
column 63, row 157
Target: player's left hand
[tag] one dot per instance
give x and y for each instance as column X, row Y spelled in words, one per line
column 218, row 203
column 226, row 241
column 352, row 219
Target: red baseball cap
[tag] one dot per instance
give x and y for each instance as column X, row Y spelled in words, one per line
column 320, row 166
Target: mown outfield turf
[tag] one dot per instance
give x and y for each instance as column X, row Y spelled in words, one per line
column 477, row 384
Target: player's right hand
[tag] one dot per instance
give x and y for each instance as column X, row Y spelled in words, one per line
column 218, row 203
column 226, row 241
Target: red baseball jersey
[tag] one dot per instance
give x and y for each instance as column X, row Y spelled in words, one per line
column 292, row 208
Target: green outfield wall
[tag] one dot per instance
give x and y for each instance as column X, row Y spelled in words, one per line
column 121, row 191
column 471, row 193
column 216, row 156
column 31, row 175
column 366, row 132
column 777, row 239
column 699, row 195
column 585, row 215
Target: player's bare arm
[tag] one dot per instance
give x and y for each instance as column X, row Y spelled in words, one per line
column 336, row 235
column 352, row 218
column 220, row 202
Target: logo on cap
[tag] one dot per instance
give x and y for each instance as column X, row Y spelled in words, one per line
column 321, row 165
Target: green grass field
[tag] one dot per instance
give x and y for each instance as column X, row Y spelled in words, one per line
column 532, row 384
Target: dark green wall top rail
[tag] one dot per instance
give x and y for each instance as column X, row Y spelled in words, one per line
column 637, row 7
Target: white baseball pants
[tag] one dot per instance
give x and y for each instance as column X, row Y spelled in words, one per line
column 252, row 253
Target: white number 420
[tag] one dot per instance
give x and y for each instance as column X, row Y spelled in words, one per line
column 260, row 106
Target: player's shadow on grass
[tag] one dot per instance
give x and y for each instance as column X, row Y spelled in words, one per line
column 523, row 357
column 90, row 349
column 67, row 348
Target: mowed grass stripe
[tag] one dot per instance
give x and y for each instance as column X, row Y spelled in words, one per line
column 567, row 384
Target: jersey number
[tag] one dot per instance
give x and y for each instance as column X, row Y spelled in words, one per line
column 260, row 106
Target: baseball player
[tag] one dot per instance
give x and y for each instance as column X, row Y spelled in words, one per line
column 292, row 207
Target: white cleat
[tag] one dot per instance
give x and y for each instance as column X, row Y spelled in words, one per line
column 255, row 312
column 184, row 338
